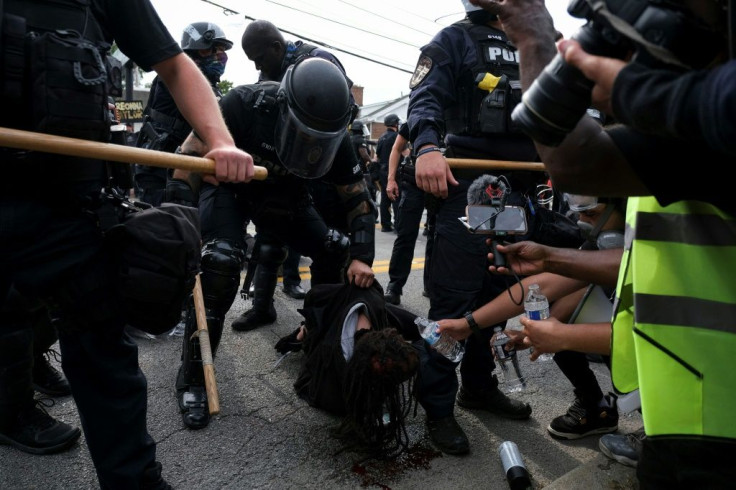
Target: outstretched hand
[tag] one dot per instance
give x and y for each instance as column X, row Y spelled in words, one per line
column 543, row 335
column 522, row 258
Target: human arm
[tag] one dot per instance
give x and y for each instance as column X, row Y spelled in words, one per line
column 527, row 257
column 551, row 335
column 398, row 151
column 360, row 214
column 503, row 306
column 432, row 89
column 198, row 105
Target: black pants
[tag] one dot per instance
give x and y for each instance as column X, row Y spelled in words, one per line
column 291, row 269
column 459, row 282
column 408, row 220
column 387, row 206
column 574, row 365
column 55, row 253
column 223, row 212
column 686, row 463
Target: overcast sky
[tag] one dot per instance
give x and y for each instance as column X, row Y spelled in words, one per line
column 387, row 31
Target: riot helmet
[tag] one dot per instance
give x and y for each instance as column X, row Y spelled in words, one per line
column 204, row 35
column 391, row 120
column 357, row 127
column 314, row 111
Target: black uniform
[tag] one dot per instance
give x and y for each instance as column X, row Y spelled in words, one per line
column 323, row 194
column 446, row 107
column 281, row 209
column 52, row 249
column 408, row 220
column 383, row 151
column 359, row 141
column 164, row 130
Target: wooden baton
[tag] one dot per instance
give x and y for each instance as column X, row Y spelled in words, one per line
column 494, row 164
column 47, row 143
column 205, row 350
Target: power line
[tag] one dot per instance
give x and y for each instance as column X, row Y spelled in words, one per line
column 320, row 43
column 343, row 24
column 228, row 11
column 385, row 18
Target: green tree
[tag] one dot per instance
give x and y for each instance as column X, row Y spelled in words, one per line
column 224, row 86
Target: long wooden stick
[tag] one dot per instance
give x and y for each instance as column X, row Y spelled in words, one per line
column 28, row 140
column 205, row 349
column 494, row 164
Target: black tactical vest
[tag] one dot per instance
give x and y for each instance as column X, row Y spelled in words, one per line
column 478, row 111
column 56, row 75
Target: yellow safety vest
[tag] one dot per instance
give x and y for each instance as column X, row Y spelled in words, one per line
column 674, row 328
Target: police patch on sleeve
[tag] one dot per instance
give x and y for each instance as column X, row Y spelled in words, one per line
column 421, row 71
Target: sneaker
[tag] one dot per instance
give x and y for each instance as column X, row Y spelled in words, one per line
column 47, row 379
column 624, row 448
column 495, row 402
column 392, row 297
column 253, row 319
column 448, row 436
column 37, row 432
column 581, row 422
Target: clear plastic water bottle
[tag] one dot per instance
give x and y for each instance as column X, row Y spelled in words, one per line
column 444, row 344
column 513, row 381
column 536, row 307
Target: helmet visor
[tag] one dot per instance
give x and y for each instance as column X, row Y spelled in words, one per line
column 305, row 152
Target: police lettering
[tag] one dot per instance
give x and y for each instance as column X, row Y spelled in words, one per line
column 502, row 54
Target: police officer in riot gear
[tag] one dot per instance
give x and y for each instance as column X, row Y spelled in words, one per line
column 165, row 128
column 264, row 44
column 360, row 146
column 296, row 129
column 53, row 248
column 464, row 87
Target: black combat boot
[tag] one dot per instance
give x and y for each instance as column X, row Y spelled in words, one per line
column 34, row 431
column 263, row 311
column 47, row 379
column 191, row 393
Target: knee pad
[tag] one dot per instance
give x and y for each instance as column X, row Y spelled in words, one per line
column 271, row 255
column 222, row 262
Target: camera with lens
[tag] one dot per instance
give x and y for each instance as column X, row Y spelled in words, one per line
column 659, row 33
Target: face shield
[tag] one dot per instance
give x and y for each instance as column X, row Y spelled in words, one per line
column 313, row 117
column 305, row 152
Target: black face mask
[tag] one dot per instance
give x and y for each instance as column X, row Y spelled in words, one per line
column 481, row 17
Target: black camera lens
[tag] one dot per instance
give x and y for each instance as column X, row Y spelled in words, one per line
column 560, row 95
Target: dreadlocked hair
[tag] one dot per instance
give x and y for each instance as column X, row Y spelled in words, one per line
column 380, row 377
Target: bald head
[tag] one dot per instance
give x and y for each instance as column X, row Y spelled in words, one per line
column 265, row 46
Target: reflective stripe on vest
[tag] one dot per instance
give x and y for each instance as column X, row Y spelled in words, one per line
column 681, row 284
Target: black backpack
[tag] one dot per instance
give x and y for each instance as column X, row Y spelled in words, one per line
column 158, row 254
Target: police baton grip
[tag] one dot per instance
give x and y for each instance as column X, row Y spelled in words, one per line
column 205, row 350
column 62, row 145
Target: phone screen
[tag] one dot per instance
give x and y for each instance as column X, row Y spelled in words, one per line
column 510, row 221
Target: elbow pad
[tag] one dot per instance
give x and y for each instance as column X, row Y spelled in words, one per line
column 363, row 238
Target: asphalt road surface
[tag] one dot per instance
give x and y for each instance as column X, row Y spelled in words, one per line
column 265, row 437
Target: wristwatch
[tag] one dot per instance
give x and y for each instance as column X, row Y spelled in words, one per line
column 472, row 323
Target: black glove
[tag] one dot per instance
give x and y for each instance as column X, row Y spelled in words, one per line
column 289, row 343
